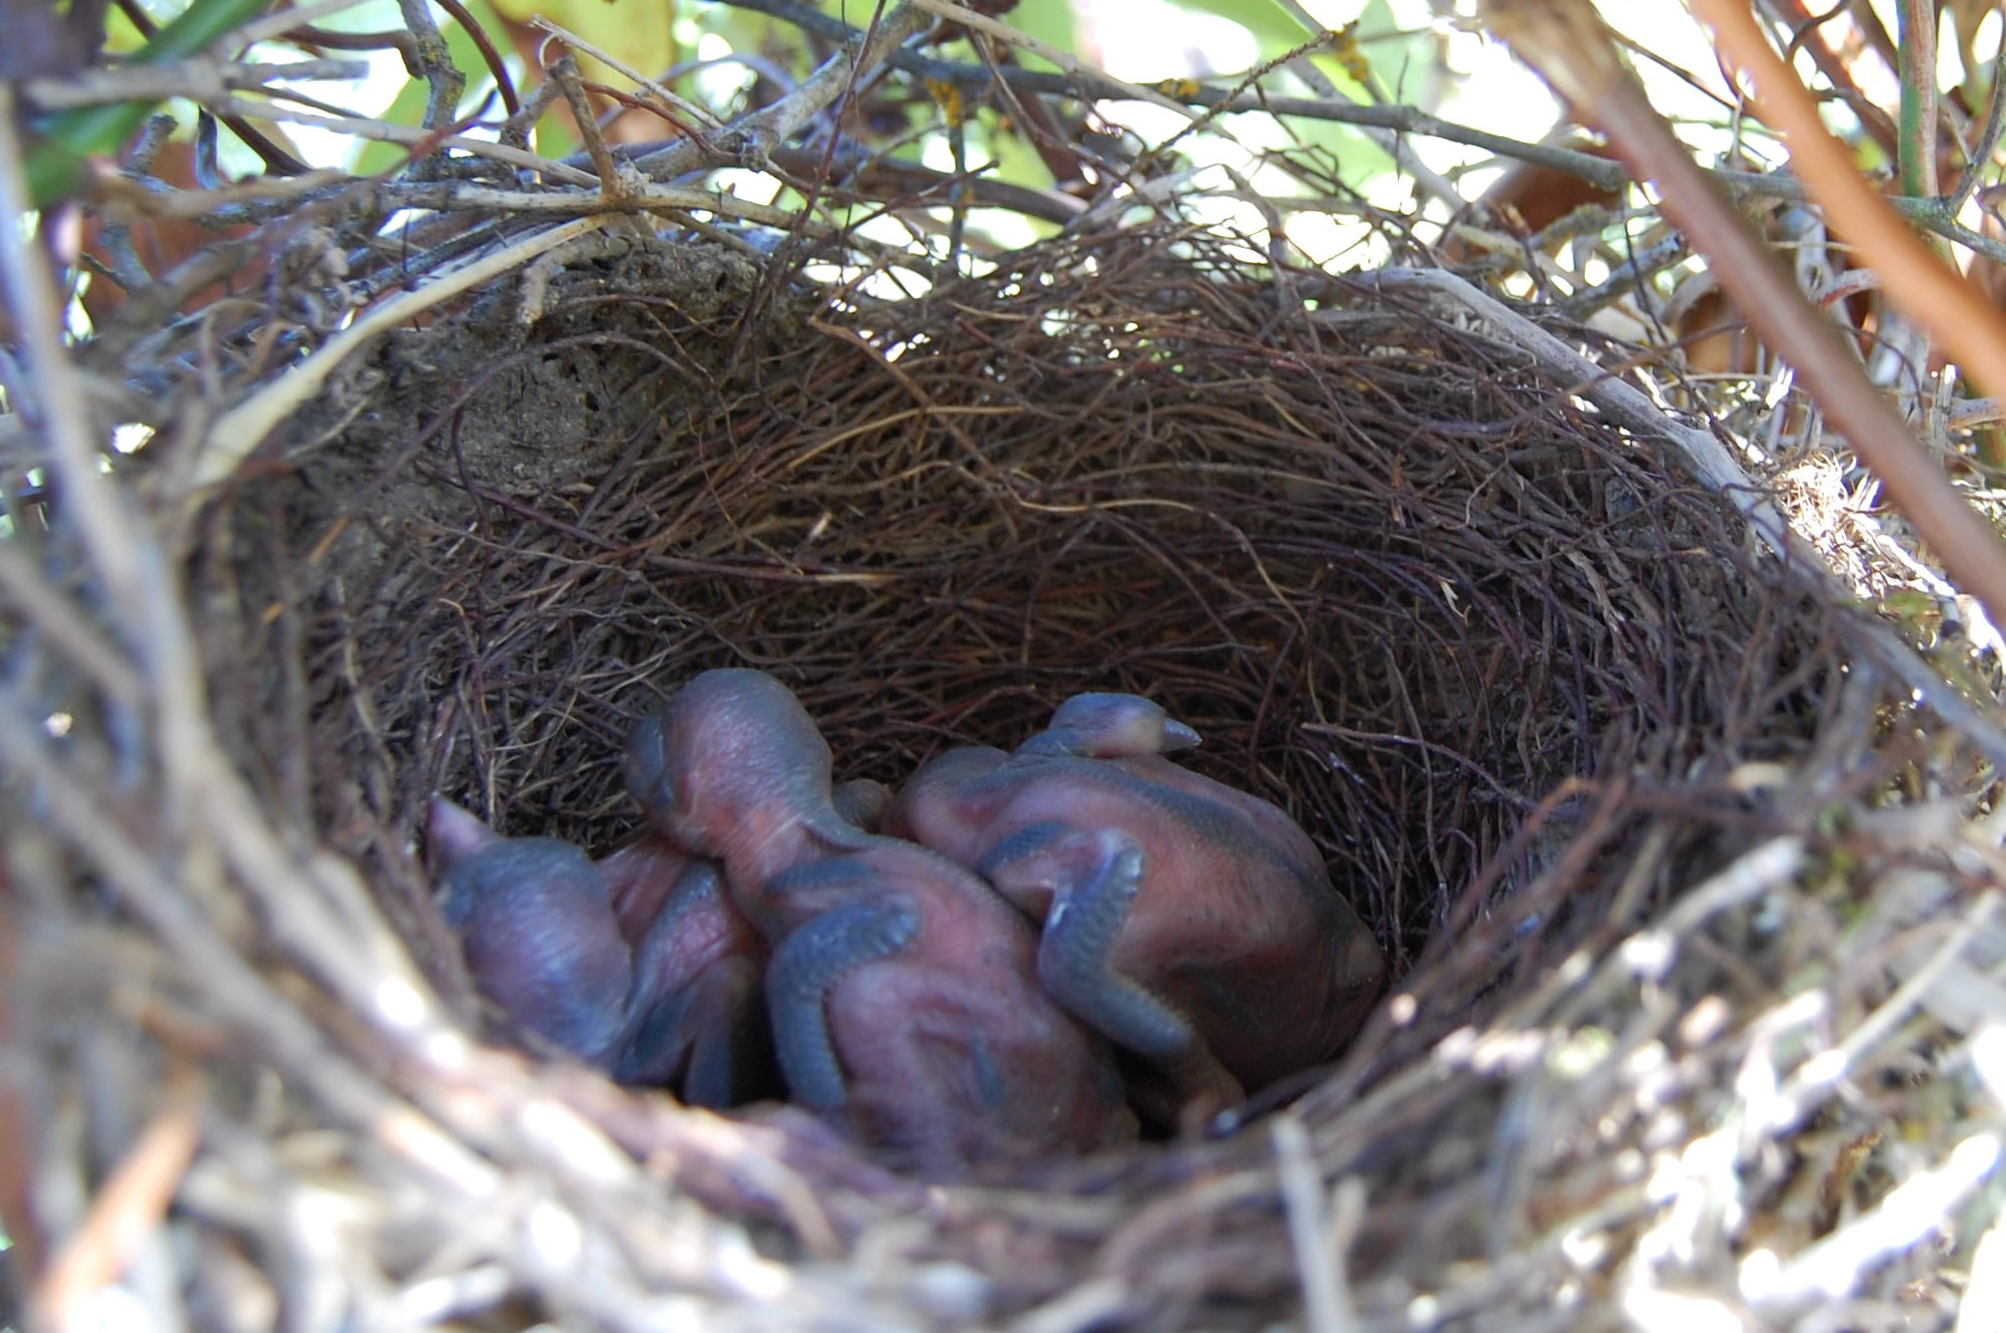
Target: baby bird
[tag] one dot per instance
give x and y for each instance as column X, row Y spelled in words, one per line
column 901, row 988
column 637, row 965
column 1192, row 924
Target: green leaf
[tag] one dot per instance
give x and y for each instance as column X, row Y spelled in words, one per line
column 408, row 107
column 1273, row 27
column 59, row 165
column 1050, row 21
column 639, row 33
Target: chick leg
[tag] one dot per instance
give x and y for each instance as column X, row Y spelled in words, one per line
column 807, row 965
column 1091, row 881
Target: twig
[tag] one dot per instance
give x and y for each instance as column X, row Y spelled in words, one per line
column 888, row 177
column 60, row 619
column 1988, row 139
column 399, row 41
column 1347, row 1215
column 1986, row 1291
column 691, row 111
column 448, row 195
column 613, row 185
column 1065, row 60
column 1627, row 405
column 1807, row 34
column 129, row 1205
column 759, row 132
column 1936, row 297
column 1605, row 173
column 1626, row 278
column 1915, row 38
column 1968, row 412
column 1814, row 1080
column 57, row 165
column 1649, row 954
column 198, row 80
column 236, row 433
column 280, row 22
column 1829, row 1270
column 1304, row 67
column 1095, row 1303
column 124, row 200
column 1326, row 1304
column 443, row 80
column 23, row 1097
column 1084, row 82
column 1570, row 45
column 542, row 97
column 391, row 132
column 1598, row 171
column 497, row 67
column 239, row 993
column 106, row 527
column 1300, row 63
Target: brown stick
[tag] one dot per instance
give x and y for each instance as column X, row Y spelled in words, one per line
column 1572, row 50
column 128, row 1207
column 1931, row 294
column 19, row 1136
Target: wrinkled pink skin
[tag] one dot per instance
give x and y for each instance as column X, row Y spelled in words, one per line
column 1192, row 924
column 711, row 968
column 902, row 990
column 637, row 964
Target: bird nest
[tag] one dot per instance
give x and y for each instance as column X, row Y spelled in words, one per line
column 1679, row 887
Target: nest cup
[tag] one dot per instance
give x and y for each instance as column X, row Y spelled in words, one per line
column 1507, row 665
column 1403, row 586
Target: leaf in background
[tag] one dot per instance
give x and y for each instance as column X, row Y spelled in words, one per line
column 408, row 109
column 639, row 32
column 1277, row 32
column 749, row 30
column 1407, row 66
column 120, row 36
column 409, row 106
column 59, row 164
column 1050, row 21
column 1017, row 162
column 1272, row 26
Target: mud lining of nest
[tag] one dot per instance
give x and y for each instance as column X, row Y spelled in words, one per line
column 1528, row 686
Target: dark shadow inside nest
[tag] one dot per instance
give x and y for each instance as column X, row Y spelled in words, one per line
column 1401, row 586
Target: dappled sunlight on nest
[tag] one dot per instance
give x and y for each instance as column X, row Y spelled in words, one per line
column 1826, row 506
column 1694, row 938
column 1605, row 782
column 1680, row 827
